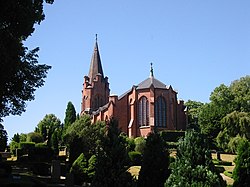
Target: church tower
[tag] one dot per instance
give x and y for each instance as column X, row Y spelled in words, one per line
column 96, row 90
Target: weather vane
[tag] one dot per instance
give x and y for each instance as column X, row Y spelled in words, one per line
column 151, row 70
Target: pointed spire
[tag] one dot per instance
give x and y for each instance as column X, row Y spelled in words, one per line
column 95, row 65
column 151, row 70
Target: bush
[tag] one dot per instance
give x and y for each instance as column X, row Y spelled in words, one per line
column 34, row 137
column 135, row 158
column 80, row 169
column 26, row 145
column 140, row 144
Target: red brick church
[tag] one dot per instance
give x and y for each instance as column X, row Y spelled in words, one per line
column 151, row 104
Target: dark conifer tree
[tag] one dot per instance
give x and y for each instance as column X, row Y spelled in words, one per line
column 193, row 164
column 112, row 159
column 154, row 170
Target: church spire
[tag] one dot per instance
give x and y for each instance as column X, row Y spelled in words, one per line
column 95, row 65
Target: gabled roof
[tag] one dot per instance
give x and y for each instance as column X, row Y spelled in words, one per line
column 95, row 65
column 151, row 81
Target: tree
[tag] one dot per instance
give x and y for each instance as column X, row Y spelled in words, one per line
column 16, row 138
column 80, row 169
column 34, row 137
column 226, row 102
column 70, row 115
column 47, row 126
column 20, row 73
column 3, row 138
column 112, row 159
column 154, row 170
column 241, row 172
column 193, row 164
column 194, row 108
column 83, row 137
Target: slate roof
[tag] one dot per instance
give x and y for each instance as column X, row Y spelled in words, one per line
column 151, row 81
column 95, row 65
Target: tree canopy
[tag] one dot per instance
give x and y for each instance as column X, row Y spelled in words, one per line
column 227, row 114
column 193, row 165
column 20, row 73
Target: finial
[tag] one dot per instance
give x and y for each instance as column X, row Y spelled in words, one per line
column 96, row 37
column 151, row 70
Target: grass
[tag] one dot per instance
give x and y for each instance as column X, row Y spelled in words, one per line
column 227, row 162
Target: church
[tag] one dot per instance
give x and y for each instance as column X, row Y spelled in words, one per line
column 148, row 105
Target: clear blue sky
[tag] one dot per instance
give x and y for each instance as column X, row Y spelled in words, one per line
column 194, row 45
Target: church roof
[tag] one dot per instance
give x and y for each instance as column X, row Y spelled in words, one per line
column 151, row 81
column 95, row 65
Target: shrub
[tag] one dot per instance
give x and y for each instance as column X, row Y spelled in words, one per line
column 26, row 146
column 34, row 137
column 241, row 172
column 135, row 158
column 80, row 169
column 41, row 153
column 140, row 144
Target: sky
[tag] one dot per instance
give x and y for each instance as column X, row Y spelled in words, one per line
column 194, row 46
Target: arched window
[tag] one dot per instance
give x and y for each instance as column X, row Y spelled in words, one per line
column 160, row 112
column 143, row 112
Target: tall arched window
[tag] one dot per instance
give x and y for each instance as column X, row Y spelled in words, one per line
column 160, row 112
column 143, row 112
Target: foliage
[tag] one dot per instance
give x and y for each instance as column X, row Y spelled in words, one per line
column 193, row 164
column 47, row 126
column 20, row 73
column 16, row 138
column 130, row 142
column 111, row 159
column 26, row 145
column 13, row 146
column 154, row 169
column 70, row 115
column 80, row 169
column 23, row 137
column 228, row 112
column 3, row 138
column 241, row 172
column 140, row 144
column 91, row 167
column 34, row 137
column 234, row 143
column 194, row 108
column 83, row 137
column 135, row 158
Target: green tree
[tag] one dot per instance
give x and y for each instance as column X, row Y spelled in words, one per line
column 47, row 126
column 241, row 92
column 112, row 159
column 16, row 138
column 80, row 169
column 70, row 115
column 193, row 164
column 194, row 108
column 227, row 103
column 3, row 138
column 83, row 137
column 154, row 170
column 20, row 73
column 34, row 137
column 23, row 137
column 241, row 172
